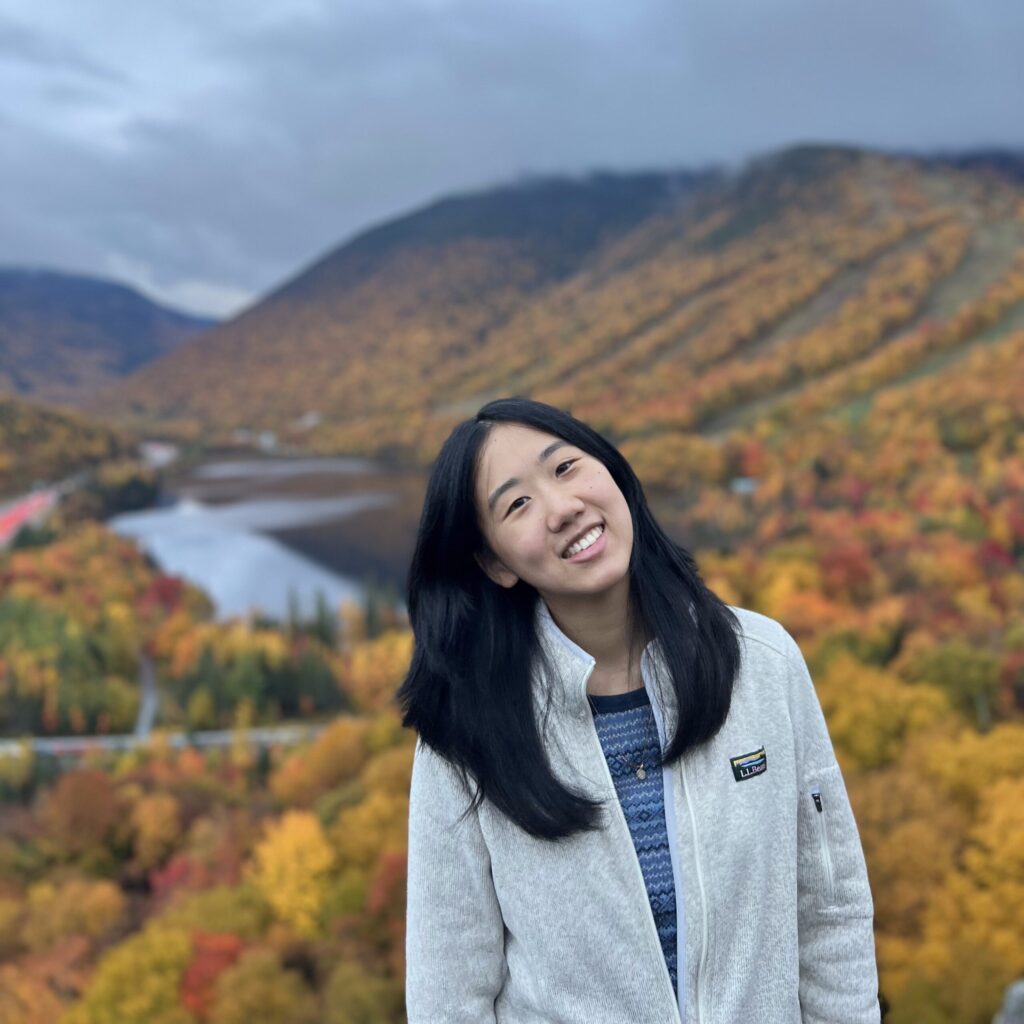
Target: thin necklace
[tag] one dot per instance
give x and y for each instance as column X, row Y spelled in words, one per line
column 641, row 771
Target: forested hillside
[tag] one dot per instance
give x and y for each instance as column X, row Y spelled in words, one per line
column 809, row 280
column 45, row 444
column 64, row 336
column 372, row 318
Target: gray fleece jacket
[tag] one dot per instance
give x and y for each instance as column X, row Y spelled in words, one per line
column 774, row 908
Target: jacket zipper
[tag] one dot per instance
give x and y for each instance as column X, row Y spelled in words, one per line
column 673, row 825
column 826, row 854
column 625, row 825
column 703, row 898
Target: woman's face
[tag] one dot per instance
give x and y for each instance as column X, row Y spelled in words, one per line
column 537, row 496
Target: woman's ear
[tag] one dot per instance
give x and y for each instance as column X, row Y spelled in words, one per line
column 497, row 571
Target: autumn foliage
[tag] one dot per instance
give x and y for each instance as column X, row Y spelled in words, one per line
column 819, row 377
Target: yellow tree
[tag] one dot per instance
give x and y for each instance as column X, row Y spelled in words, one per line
column 871, row 713
column 363, row 832
column 335, row 756
column 361, row 835
column 373, row 669
column 971, row 947
column 968, row 763
column 390, row 771
column 79, row 906
column 156, row 823
column 138, row 980
column 258, row 990
column 355, row 995
column 291, row 867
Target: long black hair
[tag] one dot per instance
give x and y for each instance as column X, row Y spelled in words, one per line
column 468, row 690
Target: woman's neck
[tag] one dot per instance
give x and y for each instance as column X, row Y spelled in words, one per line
column 598, row 624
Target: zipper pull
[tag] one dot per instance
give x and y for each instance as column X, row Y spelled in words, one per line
column 816, row 796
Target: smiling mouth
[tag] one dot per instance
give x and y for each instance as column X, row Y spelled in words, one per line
column 585, row 541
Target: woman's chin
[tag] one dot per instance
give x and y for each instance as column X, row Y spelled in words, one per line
column 597, row 585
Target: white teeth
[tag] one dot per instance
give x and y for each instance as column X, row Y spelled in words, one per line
column 584, row 542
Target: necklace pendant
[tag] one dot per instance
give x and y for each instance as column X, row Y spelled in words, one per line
column 641, row 773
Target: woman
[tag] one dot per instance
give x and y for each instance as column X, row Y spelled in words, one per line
column 625, row 806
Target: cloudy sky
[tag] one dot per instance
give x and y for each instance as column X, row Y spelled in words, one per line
column 205, row 151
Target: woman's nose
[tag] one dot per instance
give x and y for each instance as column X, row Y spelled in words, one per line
column 564, row 509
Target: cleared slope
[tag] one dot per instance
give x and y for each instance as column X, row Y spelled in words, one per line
column 657, row 308
column 357, row 332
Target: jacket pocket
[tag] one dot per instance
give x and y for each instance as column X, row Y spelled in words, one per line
column 833, row 876
column 824, row 852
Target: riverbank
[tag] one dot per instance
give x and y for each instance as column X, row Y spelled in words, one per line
column 369, row 544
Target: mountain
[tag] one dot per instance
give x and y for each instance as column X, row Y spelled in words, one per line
column 671, row 310
column 64, row 336
column 43, row 445
column 387, row 307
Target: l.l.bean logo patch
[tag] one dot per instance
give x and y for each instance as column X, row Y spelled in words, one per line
column 746, row 766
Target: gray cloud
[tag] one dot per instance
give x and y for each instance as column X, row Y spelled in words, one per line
column 256, row 135
column 21, row 44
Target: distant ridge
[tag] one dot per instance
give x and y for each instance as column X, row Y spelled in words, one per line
column 64, row 336
column 1006, row 162
column 558, row 219
column 663, row 306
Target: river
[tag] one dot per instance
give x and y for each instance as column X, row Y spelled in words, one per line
column 261, row 532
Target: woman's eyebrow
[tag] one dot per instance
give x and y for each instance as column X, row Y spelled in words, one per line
column 499, row 491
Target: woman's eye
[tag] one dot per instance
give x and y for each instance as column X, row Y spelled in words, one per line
column 515, row 504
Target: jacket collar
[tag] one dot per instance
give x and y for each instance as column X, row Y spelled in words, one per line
column 567, row 668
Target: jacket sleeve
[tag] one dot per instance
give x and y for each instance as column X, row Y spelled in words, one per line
column 838, row 972
column 454, row 943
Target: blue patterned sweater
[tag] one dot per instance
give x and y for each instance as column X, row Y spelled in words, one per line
column 629, row 737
